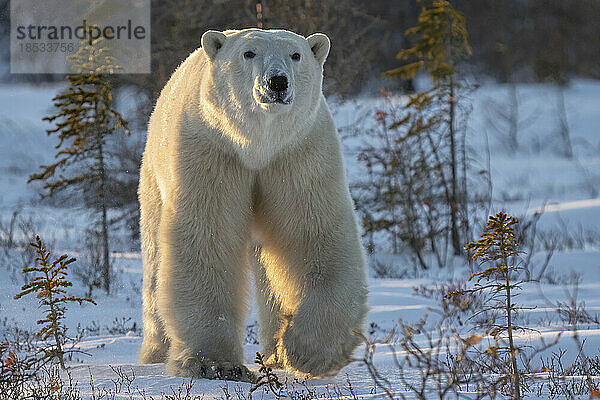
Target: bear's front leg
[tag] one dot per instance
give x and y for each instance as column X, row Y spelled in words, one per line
column 325, row 328
column 313, row 257
column 202, row 278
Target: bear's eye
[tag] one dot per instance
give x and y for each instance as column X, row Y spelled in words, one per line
column 296, row 56
column 249, row 54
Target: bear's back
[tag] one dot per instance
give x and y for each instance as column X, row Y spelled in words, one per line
column 181, row 93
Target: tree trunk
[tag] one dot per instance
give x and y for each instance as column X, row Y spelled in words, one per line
column 514, row 118
column 55, row 326
column 445, row 184
column 563, row 124
column 514, row 379
column 465, row 190
column 104, row 219
column 456, row 244
column 59, row 351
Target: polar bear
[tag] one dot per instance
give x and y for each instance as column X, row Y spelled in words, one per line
column 242, row 149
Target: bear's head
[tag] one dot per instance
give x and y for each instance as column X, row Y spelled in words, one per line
column 267, row 71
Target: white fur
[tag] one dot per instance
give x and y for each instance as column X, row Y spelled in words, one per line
column 221, row 167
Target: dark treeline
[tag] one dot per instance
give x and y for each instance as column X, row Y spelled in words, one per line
column 534, row 40
column 512, row 40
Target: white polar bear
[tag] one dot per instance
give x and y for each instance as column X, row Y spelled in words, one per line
column 242, row 145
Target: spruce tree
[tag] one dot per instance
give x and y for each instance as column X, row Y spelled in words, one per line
column 86, row 118
column 498, row 248
column 50, row 286
column 440, row 42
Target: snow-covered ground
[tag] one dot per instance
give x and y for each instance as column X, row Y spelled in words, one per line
column 536, row 175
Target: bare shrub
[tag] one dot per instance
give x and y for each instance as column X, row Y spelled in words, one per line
column 122, row 326
column 7, row 231
column 569, row 380
column 459, row 309
column 404, row 195
column 431, row 361
column 15, row 236
column 25, row 372
column 124, row 171
column 505, row 118
column 565, row 376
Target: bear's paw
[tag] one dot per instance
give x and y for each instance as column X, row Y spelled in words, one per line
column 314, row 358
column 204, row 369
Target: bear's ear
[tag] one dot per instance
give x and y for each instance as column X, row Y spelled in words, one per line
column 319, row 44
column 212, row 41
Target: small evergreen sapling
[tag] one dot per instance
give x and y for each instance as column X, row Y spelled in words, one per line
column 49, row 285
column 266, row 378
column 498, row 248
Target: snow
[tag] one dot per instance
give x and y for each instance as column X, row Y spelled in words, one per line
column 535, row 178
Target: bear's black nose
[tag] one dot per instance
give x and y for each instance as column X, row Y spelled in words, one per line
column 278, row 83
